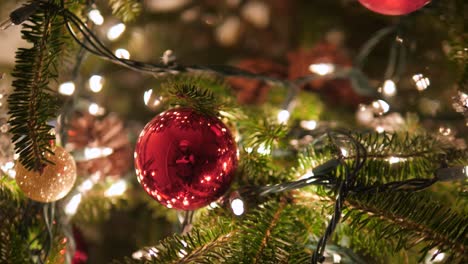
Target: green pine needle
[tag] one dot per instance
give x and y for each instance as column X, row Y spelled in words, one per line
column 32, row 103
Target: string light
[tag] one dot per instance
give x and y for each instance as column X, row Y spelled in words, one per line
column 309, row 124
column 97, row 152
column 116, row 31
column 9, row 169
column 446, row 131
column 237, row 206
column 393, row 160
column 336, row 258
column 379, row 129
column 421, row 82
column 72, row 205
column 439, row 256
column 122, row 54
column 147, row 96
column 344, row 152
column 86, row 185
column 116, row 189
column 380, row 106
column 389, row 88
column 67, row 88
column 322, row 68
column 283, row 116
column 95, row 109
column 96, row 82
column 96, row 17
column 263, row 150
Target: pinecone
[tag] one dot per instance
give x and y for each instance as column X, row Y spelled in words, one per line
column 88, row 131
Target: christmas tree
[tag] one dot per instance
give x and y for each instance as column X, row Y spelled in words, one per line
column 179, row 131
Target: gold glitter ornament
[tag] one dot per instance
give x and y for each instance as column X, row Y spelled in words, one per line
column 55, row 181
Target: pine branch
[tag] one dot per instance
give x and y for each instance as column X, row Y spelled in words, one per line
column 126, row 10
column 261, row 133
column 204, row 94
column 273, row 233
column 32, row 104
column 408, row 219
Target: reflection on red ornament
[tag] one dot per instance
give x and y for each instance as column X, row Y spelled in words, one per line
column 185, row 160
column 394, row 7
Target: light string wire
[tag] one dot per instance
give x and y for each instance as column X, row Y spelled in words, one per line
column 322, row 175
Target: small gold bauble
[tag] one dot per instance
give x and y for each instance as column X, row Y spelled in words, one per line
column 53, row 183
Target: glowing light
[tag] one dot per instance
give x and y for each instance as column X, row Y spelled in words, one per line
column 322, row 68
column 393, row 160
column 389, row 88
column 116, row 189
column 446, row 131
column 336, row 258
column 466, row 171
column 184, row 243
column 379, row 129
column 283, row 116
column 308, row 174
column 67, row 88
column 309, row 124
column 182, row 253
column 122, row 54
column 263, row 150
column 72, row 205
column 138, row 254
column 147, row 96
column 96, row 17
column 439, row 256
column 96, row 82
column 237, row 206
column 421, row 82
column 95, row 109
column 86, row 185
column 8, row 168
column 344, row 152
column 380, row 106
column 97, row 152
column 116, row 31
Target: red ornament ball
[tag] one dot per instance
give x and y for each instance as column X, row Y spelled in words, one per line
column 184, row 159
column 394, row 7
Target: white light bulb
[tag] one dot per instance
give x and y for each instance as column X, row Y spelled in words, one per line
column 283, row 116
column 116, row 31
column 421, row 82
column 67, row 88
column 116, row 189
column 122, row 54
column 95, row 109
column 96, row 17
column 380, row 106
column 389, row 88
column 393, row 160
column 309, row 124
column 72, row 205
column 97, row 152
column 237, row 206
column 96, row 82
column 263, row 150
column 322, row 68
column 147, row 96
